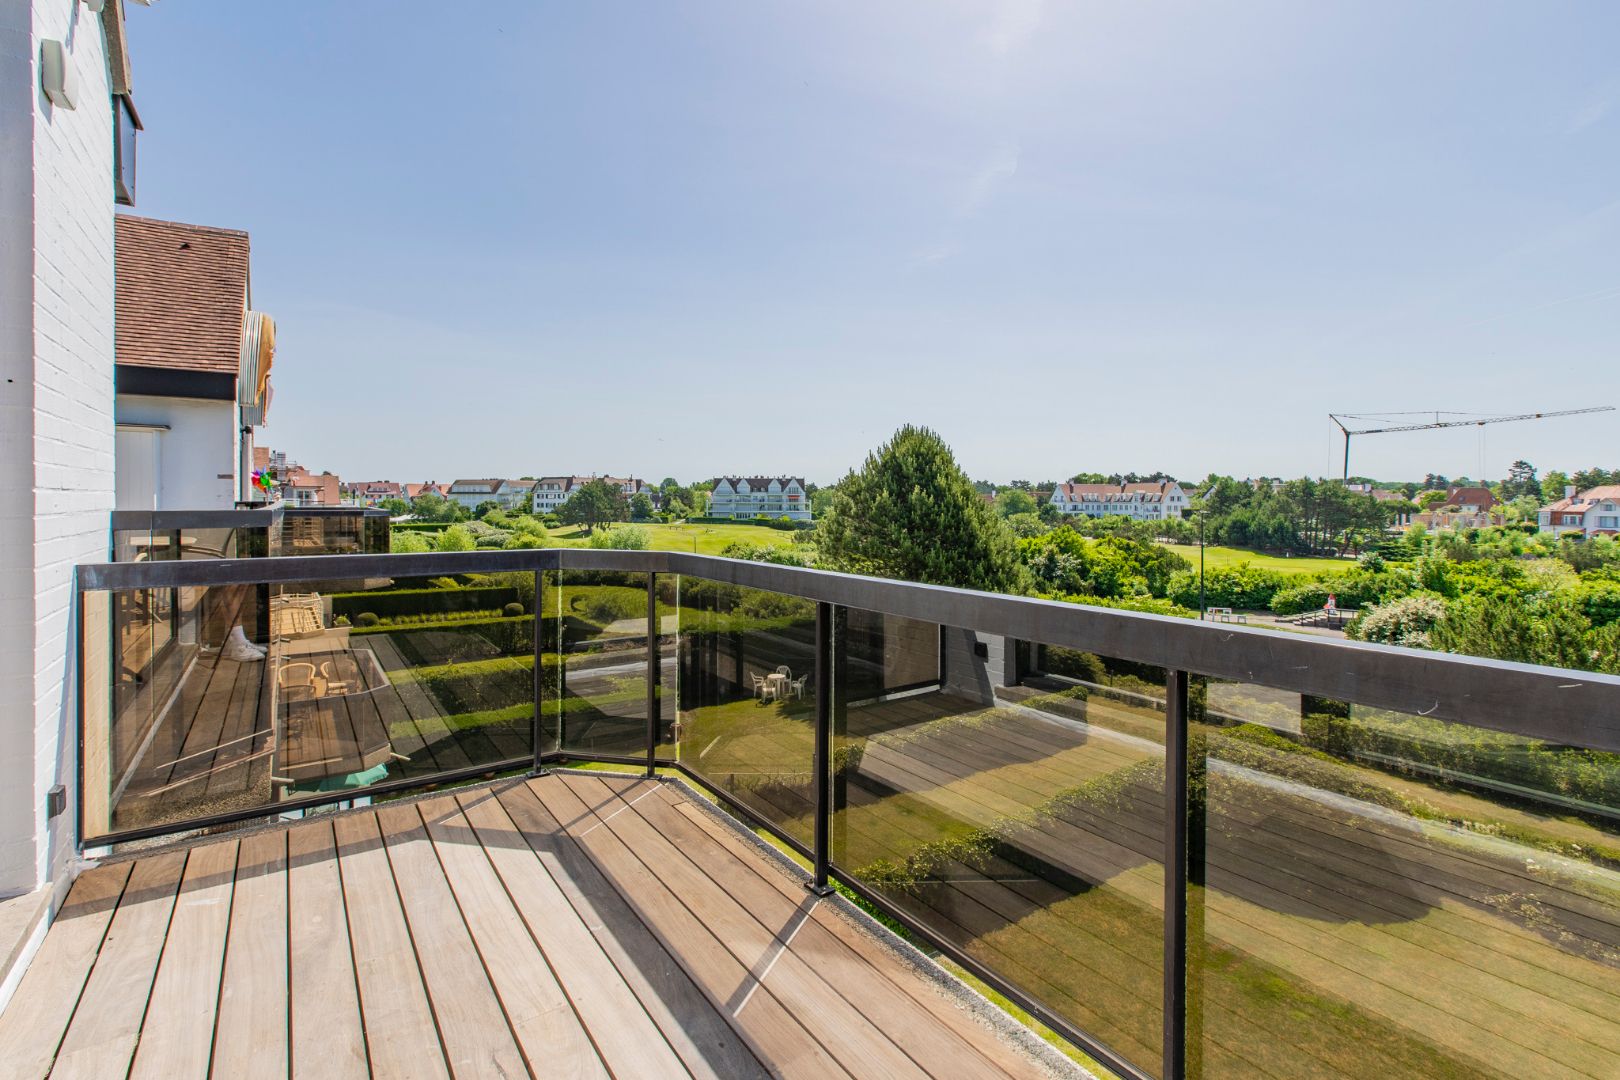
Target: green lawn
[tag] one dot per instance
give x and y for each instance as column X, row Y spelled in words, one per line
column 1216, row 558
column 703, row 539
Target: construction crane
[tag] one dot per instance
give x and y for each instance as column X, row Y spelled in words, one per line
column 1473, row 420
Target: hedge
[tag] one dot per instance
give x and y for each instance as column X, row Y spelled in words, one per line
column 769, row 523
column 389, row 603
column 505, row 636
column 421, row 526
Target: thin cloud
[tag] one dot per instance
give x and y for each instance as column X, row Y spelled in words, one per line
column 982, row 184
column 1014, row 22
column 1601, row 103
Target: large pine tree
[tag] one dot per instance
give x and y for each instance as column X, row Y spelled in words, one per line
column 911, row 513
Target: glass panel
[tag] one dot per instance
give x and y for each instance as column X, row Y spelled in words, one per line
column 746, row 691
column 1394, row 895
column 1014, row 806
column 597, row 703
column 208, row 700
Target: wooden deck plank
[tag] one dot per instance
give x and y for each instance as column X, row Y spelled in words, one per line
column 100, row 1041
column 940, row 1011
column 32, row 1026
column 769, row 1028
column 251, row 1033
column 324, row 1001
column 761, row 941
column 473, row 1027
column 631, row 1044
column 177, row 1036
column 707, row 1045
column 551, row 1035
column 401, row 1034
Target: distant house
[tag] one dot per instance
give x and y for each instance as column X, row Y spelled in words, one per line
column 550, row 492
column 745, row 497
column 429, row 488
column 1593, row 512
column 1140, row 502
column 192, row 367
column 470, row 493
column 512, row 493
column 304, row 488
column 372, row 492
column 1469, row 500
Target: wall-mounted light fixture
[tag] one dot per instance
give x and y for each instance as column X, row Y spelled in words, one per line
column 56, row 75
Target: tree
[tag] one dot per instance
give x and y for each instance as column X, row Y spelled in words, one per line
column 820, row 501
column 485, row 508
column 456, row 538
column 641, row 507
column 434, row 508
column 594, row 504
column 1015, row 501
column 1553, row 485
column 1521, row 480
column 395, row 507
column 1430, row 499
column 1435, row 480
column 911, row 513
column 1088, row 478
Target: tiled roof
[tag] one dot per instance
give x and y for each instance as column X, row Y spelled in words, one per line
column 182, row 292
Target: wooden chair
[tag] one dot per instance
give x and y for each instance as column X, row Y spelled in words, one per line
column 299, row 674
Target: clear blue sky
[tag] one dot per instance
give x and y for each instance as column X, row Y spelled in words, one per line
column 689, row 238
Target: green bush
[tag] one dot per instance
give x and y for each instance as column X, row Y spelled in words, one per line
column 501, row 636
column 610, row 605
column 365, row 619
column 512, row 610
column 1242, row 586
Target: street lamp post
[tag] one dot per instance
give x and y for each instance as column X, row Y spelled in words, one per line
column 1201, row 607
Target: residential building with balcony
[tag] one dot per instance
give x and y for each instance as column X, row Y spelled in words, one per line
column 550, row 492
column 1593, row 512
column 1140, row 502
column 747, row 497
column 193, row 366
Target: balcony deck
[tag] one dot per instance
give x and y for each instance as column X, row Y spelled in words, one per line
column 576, row 924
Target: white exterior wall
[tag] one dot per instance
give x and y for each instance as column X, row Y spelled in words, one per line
column 56, row 412
column 198, row 456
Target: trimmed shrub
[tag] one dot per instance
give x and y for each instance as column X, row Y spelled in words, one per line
column 394, row 602
column 365, row 619
column 512, row 610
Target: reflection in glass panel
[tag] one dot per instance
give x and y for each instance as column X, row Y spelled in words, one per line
column 746, row 721
column 217, row 699
column 1016, row 811
column 595, row 693
column 1384, row 894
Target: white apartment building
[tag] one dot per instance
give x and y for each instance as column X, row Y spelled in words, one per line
column 550, row 492
column 1593, row 512
column 1140, row 502
column 747, row 497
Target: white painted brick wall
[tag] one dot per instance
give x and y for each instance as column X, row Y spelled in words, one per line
column 56, row 456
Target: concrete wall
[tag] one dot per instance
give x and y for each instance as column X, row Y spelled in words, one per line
column 56, row 411
column 198, row 455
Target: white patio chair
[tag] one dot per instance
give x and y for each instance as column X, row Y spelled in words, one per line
column 797, row 685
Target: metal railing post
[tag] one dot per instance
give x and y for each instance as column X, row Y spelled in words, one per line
column 652, row 675
column 539, row 679
column 823, row 751
column 1175, row 876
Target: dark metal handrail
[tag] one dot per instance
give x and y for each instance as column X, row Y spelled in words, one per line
column 1557, row 705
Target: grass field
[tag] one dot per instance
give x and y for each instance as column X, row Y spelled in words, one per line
column 1216, row 558
column 703, row 539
